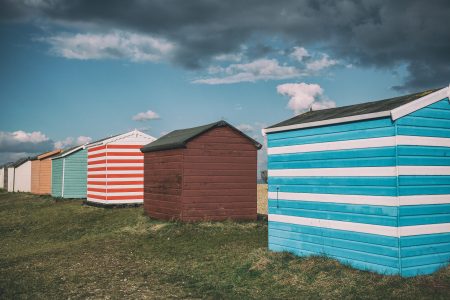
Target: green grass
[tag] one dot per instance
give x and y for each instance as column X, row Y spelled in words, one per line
column 62, row 249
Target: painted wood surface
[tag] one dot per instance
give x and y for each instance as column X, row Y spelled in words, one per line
column 374, row 194
column 69, row 175
column 10, row 179
column 22, row 180
column 213, row 178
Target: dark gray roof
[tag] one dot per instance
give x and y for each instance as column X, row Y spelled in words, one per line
column 353, row 110
column 19, row 162
column 179, row 138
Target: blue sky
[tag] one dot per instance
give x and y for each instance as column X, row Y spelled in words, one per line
column 75, row 77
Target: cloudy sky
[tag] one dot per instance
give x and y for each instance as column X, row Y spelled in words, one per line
column 72, row 71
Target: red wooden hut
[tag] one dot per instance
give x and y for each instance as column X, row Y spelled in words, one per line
column 201, row 173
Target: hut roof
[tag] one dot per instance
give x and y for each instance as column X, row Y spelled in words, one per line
column 368, row 110
column 179, row 138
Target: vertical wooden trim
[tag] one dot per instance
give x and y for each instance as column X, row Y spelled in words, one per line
column 63, row 173
column 398, row 201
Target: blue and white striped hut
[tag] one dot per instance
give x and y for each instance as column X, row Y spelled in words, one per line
column 367, row 184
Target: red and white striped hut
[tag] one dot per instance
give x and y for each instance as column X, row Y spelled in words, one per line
column 115, row 173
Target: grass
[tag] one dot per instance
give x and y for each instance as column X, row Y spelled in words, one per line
column 62, row 249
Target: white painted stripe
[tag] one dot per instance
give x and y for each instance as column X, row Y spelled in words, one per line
column 121, row 186
column 362, row 144
column 117, row 179
column 334, row 172
column 115, row 157
column 362, row 199
column 139, row 164
column 329, row 122
column 339, row 225
column 424, row 170
column 364, row 228
column 110, row 150
column 424, row 199
column 336, row 198
column 109, row 193
column 424, row 229
column 339, row 145
column 113, row 202
column 137, row 172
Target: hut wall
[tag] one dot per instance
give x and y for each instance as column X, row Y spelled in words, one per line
column 75, row 172
column 163, row 172
column 35, row 176
column 425, row 196
column 2, row 178
column 10, row 179
column 219, row 177
column 57, row 177
column 22, row 181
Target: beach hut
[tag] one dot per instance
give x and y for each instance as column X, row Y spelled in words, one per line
column 367, row 184
column 69, row 173
column 18, row 175
column 4, row 175
column 41, row 173
column 201, row 173
column 115, row 169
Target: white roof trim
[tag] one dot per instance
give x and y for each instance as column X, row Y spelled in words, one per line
column 115, row 138
column 415, row 105
column 329, row 122
column 70, row 152
column 395, row 114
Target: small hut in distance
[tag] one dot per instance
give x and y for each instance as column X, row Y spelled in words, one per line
column 201, row 173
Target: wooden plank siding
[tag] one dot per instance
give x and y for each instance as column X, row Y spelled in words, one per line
column 162, row 184
column 35, row 176
column 213, row 178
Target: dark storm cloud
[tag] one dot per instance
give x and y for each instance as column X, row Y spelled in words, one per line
column 382, row 34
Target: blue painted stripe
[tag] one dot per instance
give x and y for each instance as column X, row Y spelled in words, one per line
column 423, row 151
column 332, row 137
column 426, row 260
column 335, row 181
column 431, row 209
column 335, row 207
column 423, row 161
column 336, row 154
column 424, row 190
column 424, row 180
column 335, row 242
column 422, row 250
column 423, row 131
column 337, row 216
column 424, row 122
column 422, row 270
column 342, row 190
column 335, row 233
column 354, row 126
column 336, row 252
column 442, row 104
column 424, row 219
column 334, row 163
column 425, row 239
column 432, row 113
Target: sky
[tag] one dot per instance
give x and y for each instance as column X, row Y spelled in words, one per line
column 76, row 71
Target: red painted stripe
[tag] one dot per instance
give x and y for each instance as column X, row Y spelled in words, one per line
column 115, row 175
column 131, row 197
column 125, row 154
column 125, row 146
column 96, row 196
column 115, row 190
column 116, row 169
column 135, row 161
column 96, row 148
column 96, row 155
column 97, row 162
column 115, row 182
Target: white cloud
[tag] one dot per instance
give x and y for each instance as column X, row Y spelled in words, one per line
column 145, row 116
column 322, row 63
column 24, row 137
column 113, row 45
column 71, row 142
column 304, row 96
column 261, row 69
column 229, row 57
column 245, row 128
column 18, row 144
column 299, row 53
